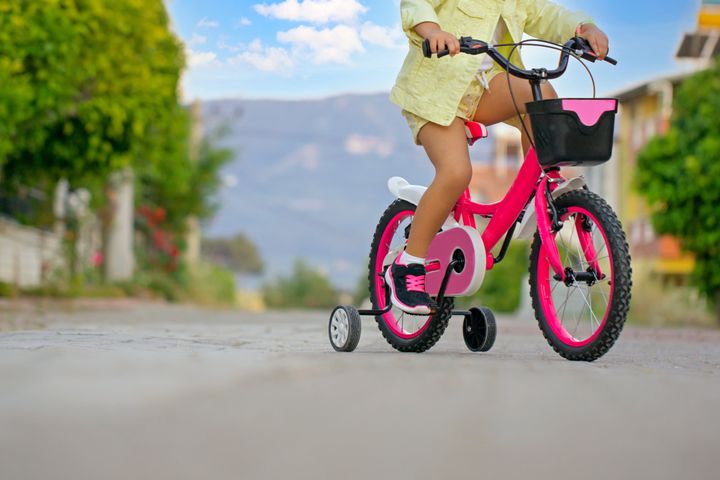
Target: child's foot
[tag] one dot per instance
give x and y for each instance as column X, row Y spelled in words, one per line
column 407, row 288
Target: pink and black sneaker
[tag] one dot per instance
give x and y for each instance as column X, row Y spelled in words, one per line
column 407, row 288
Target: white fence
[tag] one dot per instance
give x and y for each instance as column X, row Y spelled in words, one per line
column 26, row 252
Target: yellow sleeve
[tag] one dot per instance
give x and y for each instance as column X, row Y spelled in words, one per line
column 413, row 12
column 550, row 21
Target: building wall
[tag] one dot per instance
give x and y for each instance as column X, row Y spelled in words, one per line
column 27, row 254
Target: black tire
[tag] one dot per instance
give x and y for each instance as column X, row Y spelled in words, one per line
column 437, row 324
column 354, row 327
column 479, row 330
column 622, row 278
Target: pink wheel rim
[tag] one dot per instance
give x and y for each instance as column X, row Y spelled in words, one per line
column 396, row 325
column 545, row 288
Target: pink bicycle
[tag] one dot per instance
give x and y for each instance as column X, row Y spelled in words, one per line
column 580, row 271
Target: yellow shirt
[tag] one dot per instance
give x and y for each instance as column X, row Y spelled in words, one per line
column 432, row 88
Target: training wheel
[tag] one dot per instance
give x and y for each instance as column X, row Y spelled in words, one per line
column 479, row 329
column 344, row 328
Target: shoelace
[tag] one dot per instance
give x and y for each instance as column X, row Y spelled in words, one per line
column 415, row 283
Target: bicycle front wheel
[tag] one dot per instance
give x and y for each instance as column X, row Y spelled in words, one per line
column 582, row 317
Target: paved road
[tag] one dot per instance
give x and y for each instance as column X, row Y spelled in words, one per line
column 150, row 391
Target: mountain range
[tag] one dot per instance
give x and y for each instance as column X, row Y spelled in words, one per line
column 309, row 178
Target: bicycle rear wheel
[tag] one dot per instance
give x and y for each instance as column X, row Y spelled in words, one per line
column 582, row 317
column 405, row 332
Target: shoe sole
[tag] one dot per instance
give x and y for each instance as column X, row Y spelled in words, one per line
column 419, row 310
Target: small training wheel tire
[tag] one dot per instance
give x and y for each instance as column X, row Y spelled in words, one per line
column 479, row 329
column 344, row 328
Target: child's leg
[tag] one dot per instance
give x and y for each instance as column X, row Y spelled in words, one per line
column 496, row 104
column 448, row 151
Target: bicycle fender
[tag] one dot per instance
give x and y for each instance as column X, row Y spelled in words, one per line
column 527, row 227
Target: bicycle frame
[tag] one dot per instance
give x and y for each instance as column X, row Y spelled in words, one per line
column 531, row 181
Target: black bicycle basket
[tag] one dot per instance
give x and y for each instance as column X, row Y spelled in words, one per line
column 573, row 131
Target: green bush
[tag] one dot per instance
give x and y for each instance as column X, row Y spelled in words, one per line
column 204, row 284
column 8, row 290
column 210, row 284
column 304, row 288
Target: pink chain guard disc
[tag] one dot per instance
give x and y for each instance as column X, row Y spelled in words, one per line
column 467, row 281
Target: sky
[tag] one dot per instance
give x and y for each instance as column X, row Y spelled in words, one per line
column 295, row 49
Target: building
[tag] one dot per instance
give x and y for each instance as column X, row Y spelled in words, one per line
column 703, row 44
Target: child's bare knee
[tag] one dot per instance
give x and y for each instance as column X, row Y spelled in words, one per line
column 457, row 177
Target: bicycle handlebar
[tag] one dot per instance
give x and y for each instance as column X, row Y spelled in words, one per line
column 469, row 45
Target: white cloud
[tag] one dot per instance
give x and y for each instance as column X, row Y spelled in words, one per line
column 316, row 11
column 357, row 144
column 222, row 45
column 388, row 37
column 329, row 45
column 243, row 22
column 265, row 59
column 197, row 39
column 201, row 59
column 206, row 23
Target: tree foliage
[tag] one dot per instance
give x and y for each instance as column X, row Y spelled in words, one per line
column 90, row 87
column 679, row 174
column 179, row 177
column 87, row 85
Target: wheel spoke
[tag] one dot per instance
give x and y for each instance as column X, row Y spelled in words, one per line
column 577, row 322
column 564, row 305
column 591, row 312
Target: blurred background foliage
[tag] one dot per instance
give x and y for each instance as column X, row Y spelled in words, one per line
column 90, row 87
column 305, row 287
column 502, row 289
column 679, row 174
column 237, row 253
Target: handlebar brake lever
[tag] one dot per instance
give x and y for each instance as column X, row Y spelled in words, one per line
column 584, row 50
column 472, row 46
column 467, row 45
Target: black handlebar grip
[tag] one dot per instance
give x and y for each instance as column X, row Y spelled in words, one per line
column 426, row 48
column 428, row 52
column 611, row 61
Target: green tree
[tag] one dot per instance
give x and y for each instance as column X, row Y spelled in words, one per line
column 87, row 85
column 679, row 174
column 304, row 288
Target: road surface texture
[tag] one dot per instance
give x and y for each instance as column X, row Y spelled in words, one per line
column 175, row 392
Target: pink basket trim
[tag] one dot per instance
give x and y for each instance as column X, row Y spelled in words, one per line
column 590, row 110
